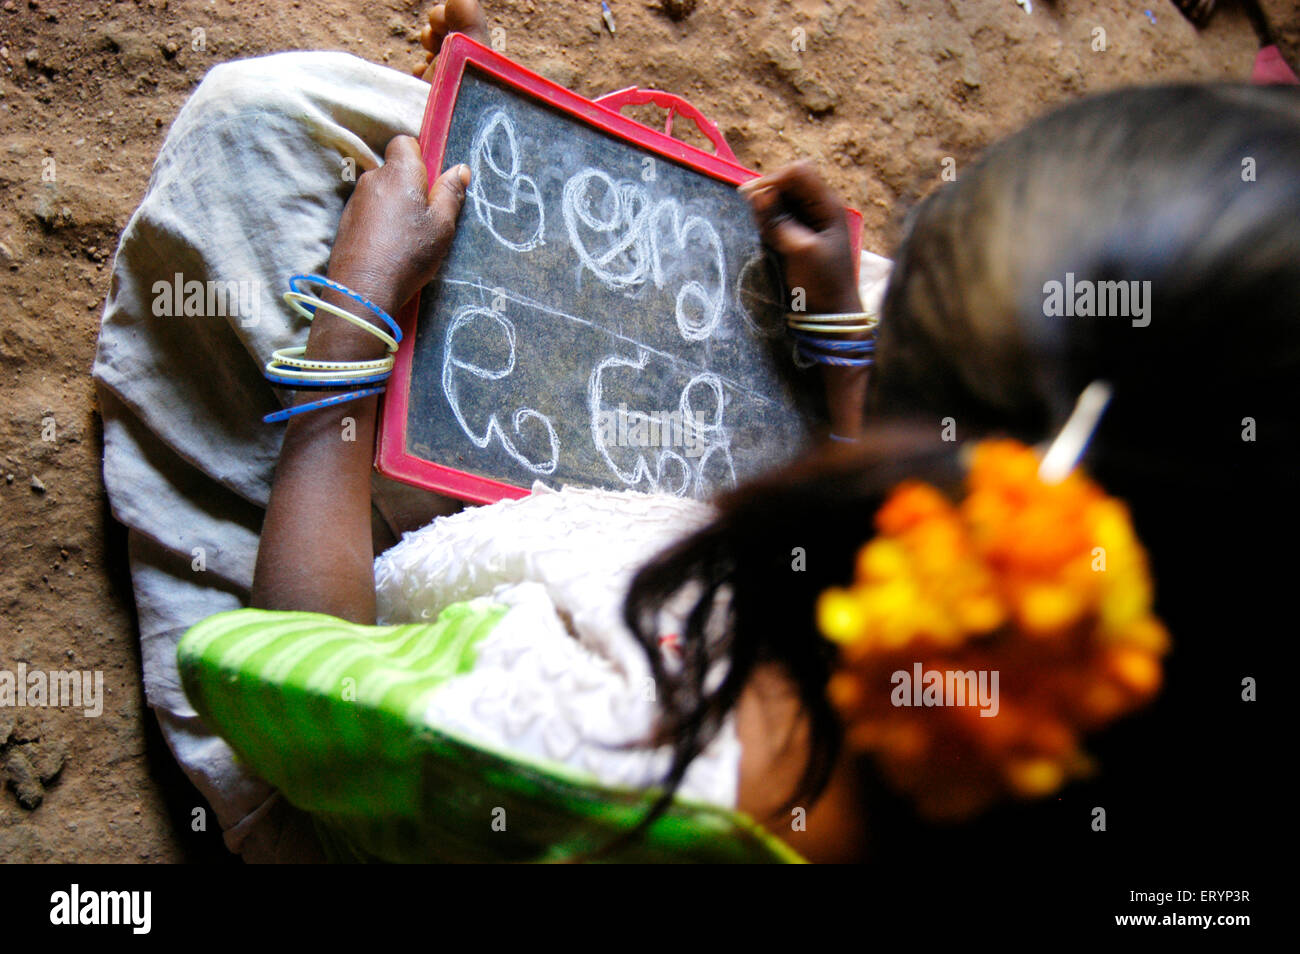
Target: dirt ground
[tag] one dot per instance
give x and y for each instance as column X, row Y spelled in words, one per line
column 882, row 93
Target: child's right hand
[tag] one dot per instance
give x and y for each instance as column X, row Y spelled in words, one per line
column 801, row 218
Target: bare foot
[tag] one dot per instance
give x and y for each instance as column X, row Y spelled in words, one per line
column 454, row 16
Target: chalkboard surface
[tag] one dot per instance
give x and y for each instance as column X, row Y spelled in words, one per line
column 606, row 317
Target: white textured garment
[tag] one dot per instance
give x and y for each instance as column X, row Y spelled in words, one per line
column 560, row 678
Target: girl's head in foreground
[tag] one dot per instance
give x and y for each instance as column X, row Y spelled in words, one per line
column 1189, row 199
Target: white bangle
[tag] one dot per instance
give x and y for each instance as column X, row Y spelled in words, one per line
column 293, row 358
column 335, row 374
column 829, row 329
column 296, row 300
column 835, row 317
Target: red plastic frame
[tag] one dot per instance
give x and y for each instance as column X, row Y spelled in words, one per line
column 675, row 105
column 391, row 456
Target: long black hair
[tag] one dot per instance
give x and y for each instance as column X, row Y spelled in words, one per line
column 1194, row 189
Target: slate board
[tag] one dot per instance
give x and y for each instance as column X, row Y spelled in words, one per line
column 591, row 281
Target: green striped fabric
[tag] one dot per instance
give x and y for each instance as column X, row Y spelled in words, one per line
column 332, row 714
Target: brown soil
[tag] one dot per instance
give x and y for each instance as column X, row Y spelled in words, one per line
column 883, row 92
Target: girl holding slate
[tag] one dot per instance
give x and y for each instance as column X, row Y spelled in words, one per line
column 595, row 674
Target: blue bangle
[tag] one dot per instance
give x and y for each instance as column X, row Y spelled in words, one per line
column 349, row 293
column 843, row 440
column 288, row 412
column 835, row 360
column 855, row 347
column 339, row 384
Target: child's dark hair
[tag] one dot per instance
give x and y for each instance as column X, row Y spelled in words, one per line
column 1195, row 189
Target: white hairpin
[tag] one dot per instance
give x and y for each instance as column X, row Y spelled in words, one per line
column 1065, row 451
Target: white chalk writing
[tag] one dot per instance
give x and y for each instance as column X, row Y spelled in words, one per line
column 471, row 315
column 496, row 151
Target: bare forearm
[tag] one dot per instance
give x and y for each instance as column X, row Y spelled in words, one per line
column 806, row 224
column 316, row 551
column 846, row 398
column 846, row 387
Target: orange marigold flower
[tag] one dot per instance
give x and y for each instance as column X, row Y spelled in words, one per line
column 1044, row 584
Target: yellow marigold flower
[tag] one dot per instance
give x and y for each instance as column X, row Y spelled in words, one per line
column 980, row 614
column 1136, row 669
column 1125, row 601
column 931, row 622
column 881, row 559
column 1035, row 777
column 1047, row 610
column 839, row 615
column 894, row 599
column 983, row 514
column 937, row 549
column 1111, row 526
column 1004, row 463
column 995, row 583
column 895, row 631
column 909, row 504
column 1147, row 634
column 1080, row 576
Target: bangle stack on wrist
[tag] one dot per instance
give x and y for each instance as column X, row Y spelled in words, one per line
column 289, row 369
column 820, row 338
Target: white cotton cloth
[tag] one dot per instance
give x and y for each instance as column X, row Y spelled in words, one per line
column 248, row 188
column 561, row 678
column 873, row 279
